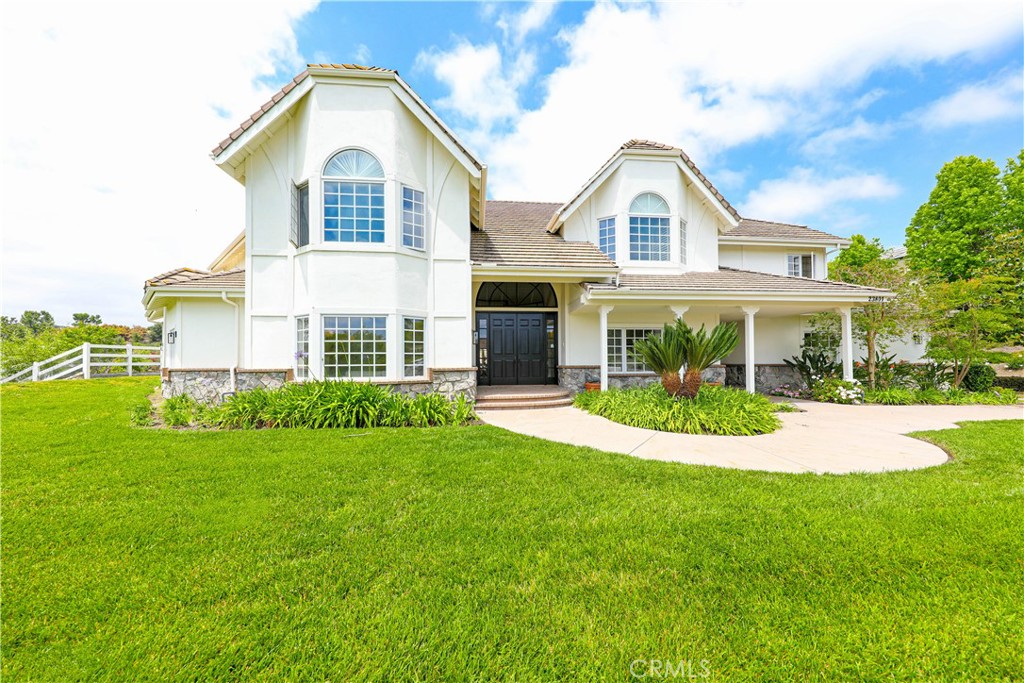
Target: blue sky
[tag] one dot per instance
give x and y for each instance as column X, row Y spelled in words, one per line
column 878, row 153
column 833, row 115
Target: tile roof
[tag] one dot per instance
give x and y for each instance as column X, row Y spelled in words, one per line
column 730, row 280
column 256, row 115
column 651, row 145
column 514, row 234
column 756, row 229
column 191, row 278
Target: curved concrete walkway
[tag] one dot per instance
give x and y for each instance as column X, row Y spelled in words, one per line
column 826, row 438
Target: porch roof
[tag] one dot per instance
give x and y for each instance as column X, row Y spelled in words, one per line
column 730, row 281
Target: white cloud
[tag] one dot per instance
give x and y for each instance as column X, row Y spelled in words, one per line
column 711, row 76
column 106, row 139
column 517, row 26
column 483, row 90
column 977, row 103
column 832, row 140
column 804, row 193
column 363, row 55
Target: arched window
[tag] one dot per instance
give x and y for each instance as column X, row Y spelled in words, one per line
column 649, row 232
column 516, row 295
column 353, row 198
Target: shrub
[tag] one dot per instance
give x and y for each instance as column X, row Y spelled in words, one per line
column 814, row 365
column 979, row 377
column 141, row 415
column 835, row 390
column 1015, row 362
column 715, row 410
column 933, row 376
column 349, row 405
column 894, row 396
column 180, row 411
column 785, row 407
column 1012, row 383
column 930, row 396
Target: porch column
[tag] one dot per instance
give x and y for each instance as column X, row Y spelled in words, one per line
column 603, row 312
column 846, row 347
column 748, row 345
column 679, row 311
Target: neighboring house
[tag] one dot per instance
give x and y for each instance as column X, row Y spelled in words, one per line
column 371, row 253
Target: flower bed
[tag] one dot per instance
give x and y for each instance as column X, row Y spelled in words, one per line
column 316, row 405
column 715, row 410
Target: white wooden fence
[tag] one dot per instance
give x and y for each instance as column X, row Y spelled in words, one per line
column 92, row 360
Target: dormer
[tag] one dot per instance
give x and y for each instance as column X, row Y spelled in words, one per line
column 650, row 209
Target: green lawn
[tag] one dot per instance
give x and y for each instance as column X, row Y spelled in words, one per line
column 472, row 553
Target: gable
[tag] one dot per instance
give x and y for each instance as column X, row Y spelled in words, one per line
column 231, row 154
column 648, row 150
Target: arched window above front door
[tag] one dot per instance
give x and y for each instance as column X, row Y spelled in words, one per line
column 516, row 295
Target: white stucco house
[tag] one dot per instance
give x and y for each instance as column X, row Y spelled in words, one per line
column 371, row 252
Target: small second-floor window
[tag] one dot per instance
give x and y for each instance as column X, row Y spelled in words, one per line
column 606, row 236
column 801, row 265
column 300, row 215
column 682, row 241
column 649, row 232
column 354, row 198
column 414, row 219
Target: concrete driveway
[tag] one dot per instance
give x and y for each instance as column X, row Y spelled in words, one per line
column 825, row 439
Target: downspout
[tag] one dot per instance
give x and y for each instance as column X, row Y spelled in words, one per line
column 234, row 368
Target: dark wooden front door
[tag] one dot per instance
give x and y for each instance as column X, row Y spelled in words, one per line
column 516, row 348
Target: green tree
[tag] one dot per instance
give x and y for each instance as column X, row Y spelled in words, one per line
column 1004, row 267
column 37, row 321
column 963, row 322
column 1013, row 187
column 860, row 252
column 154, row 333
column 86, row 319
column 10, row 328
column 889, row 318
column 948, row 233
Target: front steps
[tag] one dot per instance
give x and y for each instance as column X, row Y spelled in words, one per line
column 522, row 397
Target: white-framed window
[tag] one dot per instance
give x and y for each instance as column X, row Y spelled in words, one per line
column 606, row 236
column 800, row 265
column 682, row 241
column 300, row 215
column 414, row 219
column 414, row 347
column 355, row 346
column 353, row 183
column 302, row 347
column 620, row 347
column 649, row 231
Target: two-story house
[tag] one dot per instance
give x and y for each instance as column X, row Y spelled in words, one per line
column 371, row 253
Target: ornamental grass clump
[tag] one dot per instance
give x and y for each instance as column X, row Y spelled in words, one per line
column 714, row 410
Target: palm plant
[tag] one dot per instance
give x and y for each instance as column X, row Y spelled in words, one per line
column 679, row 345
